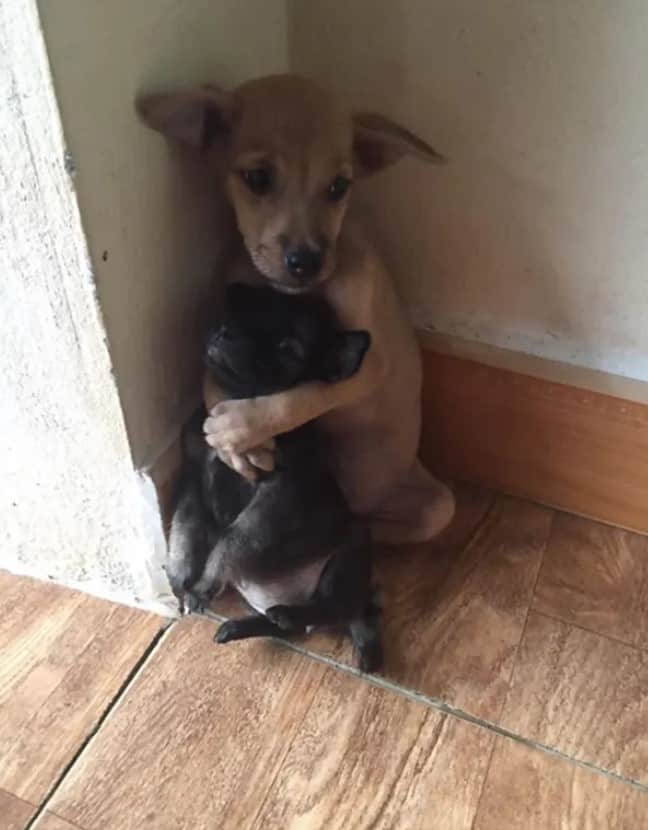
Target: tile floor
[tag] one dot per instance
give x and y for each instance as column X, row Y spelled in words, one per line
column 515, row 695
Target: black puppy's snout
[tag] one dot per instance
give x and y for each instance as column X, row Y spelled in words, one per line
column 216, row 340
column 217, row 336
column 304, row 262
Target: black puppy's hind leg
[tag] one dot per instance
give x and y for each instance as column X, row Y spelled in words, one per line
column 245, row 627
column 214, row 572
column 364, row 630
column 188, row 543
column 296, row 618
column 367, row 642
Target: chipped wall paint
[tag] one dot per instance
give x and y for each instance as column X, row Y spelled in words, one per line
column 72, row 506
column 535, row 236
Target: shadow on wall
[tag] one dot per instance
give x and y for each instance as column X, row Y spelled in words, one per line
column 191, row 225
column 533, row 237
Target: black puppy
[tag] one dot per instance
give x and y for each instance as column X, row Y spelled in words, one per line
column 287, row 542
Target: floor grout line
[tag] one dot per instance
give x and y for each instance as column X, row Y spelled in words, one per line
column 130, row 678
column 514, row 662
column 481, row 526
column 66, row 821
column 491, row 754
column 448, row 709
column 584, row 629
column 484, row 782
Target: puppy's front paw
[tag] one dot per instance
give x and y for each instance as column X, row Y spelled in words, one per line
column 241, row 464
column 237, row 426
column 194, row 603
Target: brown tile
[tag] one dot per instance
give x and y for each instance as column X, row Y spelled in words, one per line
column 256, row 735
column 531, row 790
column 49, row 821
column 367, row 758
column 64, row 657
column 201, row 729
column 14, row 813
column 596, row 576
column 454, row 612
column 582, row 694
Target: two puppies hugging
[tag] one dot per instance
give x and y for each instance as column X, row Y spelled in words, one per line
column 269, row 502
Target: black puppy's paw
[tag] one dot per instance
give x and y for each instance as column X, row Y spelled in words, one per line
column 280, row 615
column 194, row 603
column 226, row 632
column 369, row 657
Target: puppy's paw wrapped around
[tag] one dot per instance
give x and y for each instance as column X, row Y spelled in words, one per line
column 237, row 426
column 251, row 464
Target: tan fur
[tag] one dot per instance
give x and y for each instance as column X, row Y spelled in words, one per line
column 308, row 139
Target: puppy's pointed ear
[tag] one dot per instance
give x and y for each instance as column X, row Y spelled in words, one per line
column 344, row 355
column 379, row 142
column 199, row 117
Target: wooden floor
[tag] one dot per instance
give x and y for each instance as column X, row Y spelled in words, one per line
column 515, row 695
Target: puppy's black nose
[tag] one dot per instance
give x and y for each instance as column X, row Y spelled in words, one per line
column 304, row 262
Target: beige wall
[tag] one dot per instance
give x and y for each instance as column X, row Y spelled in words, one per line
column 151, row 228
column 532, row 239
column 535, row 237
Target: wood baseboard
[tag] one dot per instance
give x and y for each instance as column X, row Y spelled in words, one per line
column 570, row 448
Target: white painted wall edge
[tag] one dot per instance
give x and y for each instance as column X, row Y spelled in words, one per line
column 556, row 371
column 72, row 506
column 540, row 343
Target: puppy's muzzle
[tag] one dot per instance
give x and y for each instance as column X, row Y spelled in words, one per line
column 304, row 262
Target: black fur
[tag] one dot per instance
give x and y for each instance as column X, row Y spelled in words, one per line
column 228, row 531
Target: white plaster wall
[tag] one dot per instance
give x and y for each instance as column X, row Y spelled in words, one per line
column 153, row 231
column 71, row 505
column 84, row 405
column 535, row 237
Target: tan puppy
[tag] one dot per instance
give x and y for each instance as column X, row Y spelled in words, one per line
column 287, row 153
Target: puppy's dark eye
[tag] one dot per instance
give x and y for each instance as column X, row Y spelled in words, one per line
column 338, row 188
column 259, row 180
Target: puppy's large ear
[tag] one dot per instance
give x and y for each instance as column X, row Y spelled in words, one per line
column 379, row 142
column 198, row 117
column 344, row 355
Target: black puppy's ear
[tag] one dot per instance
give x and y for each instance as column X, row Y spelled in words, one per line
column 345, row 354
